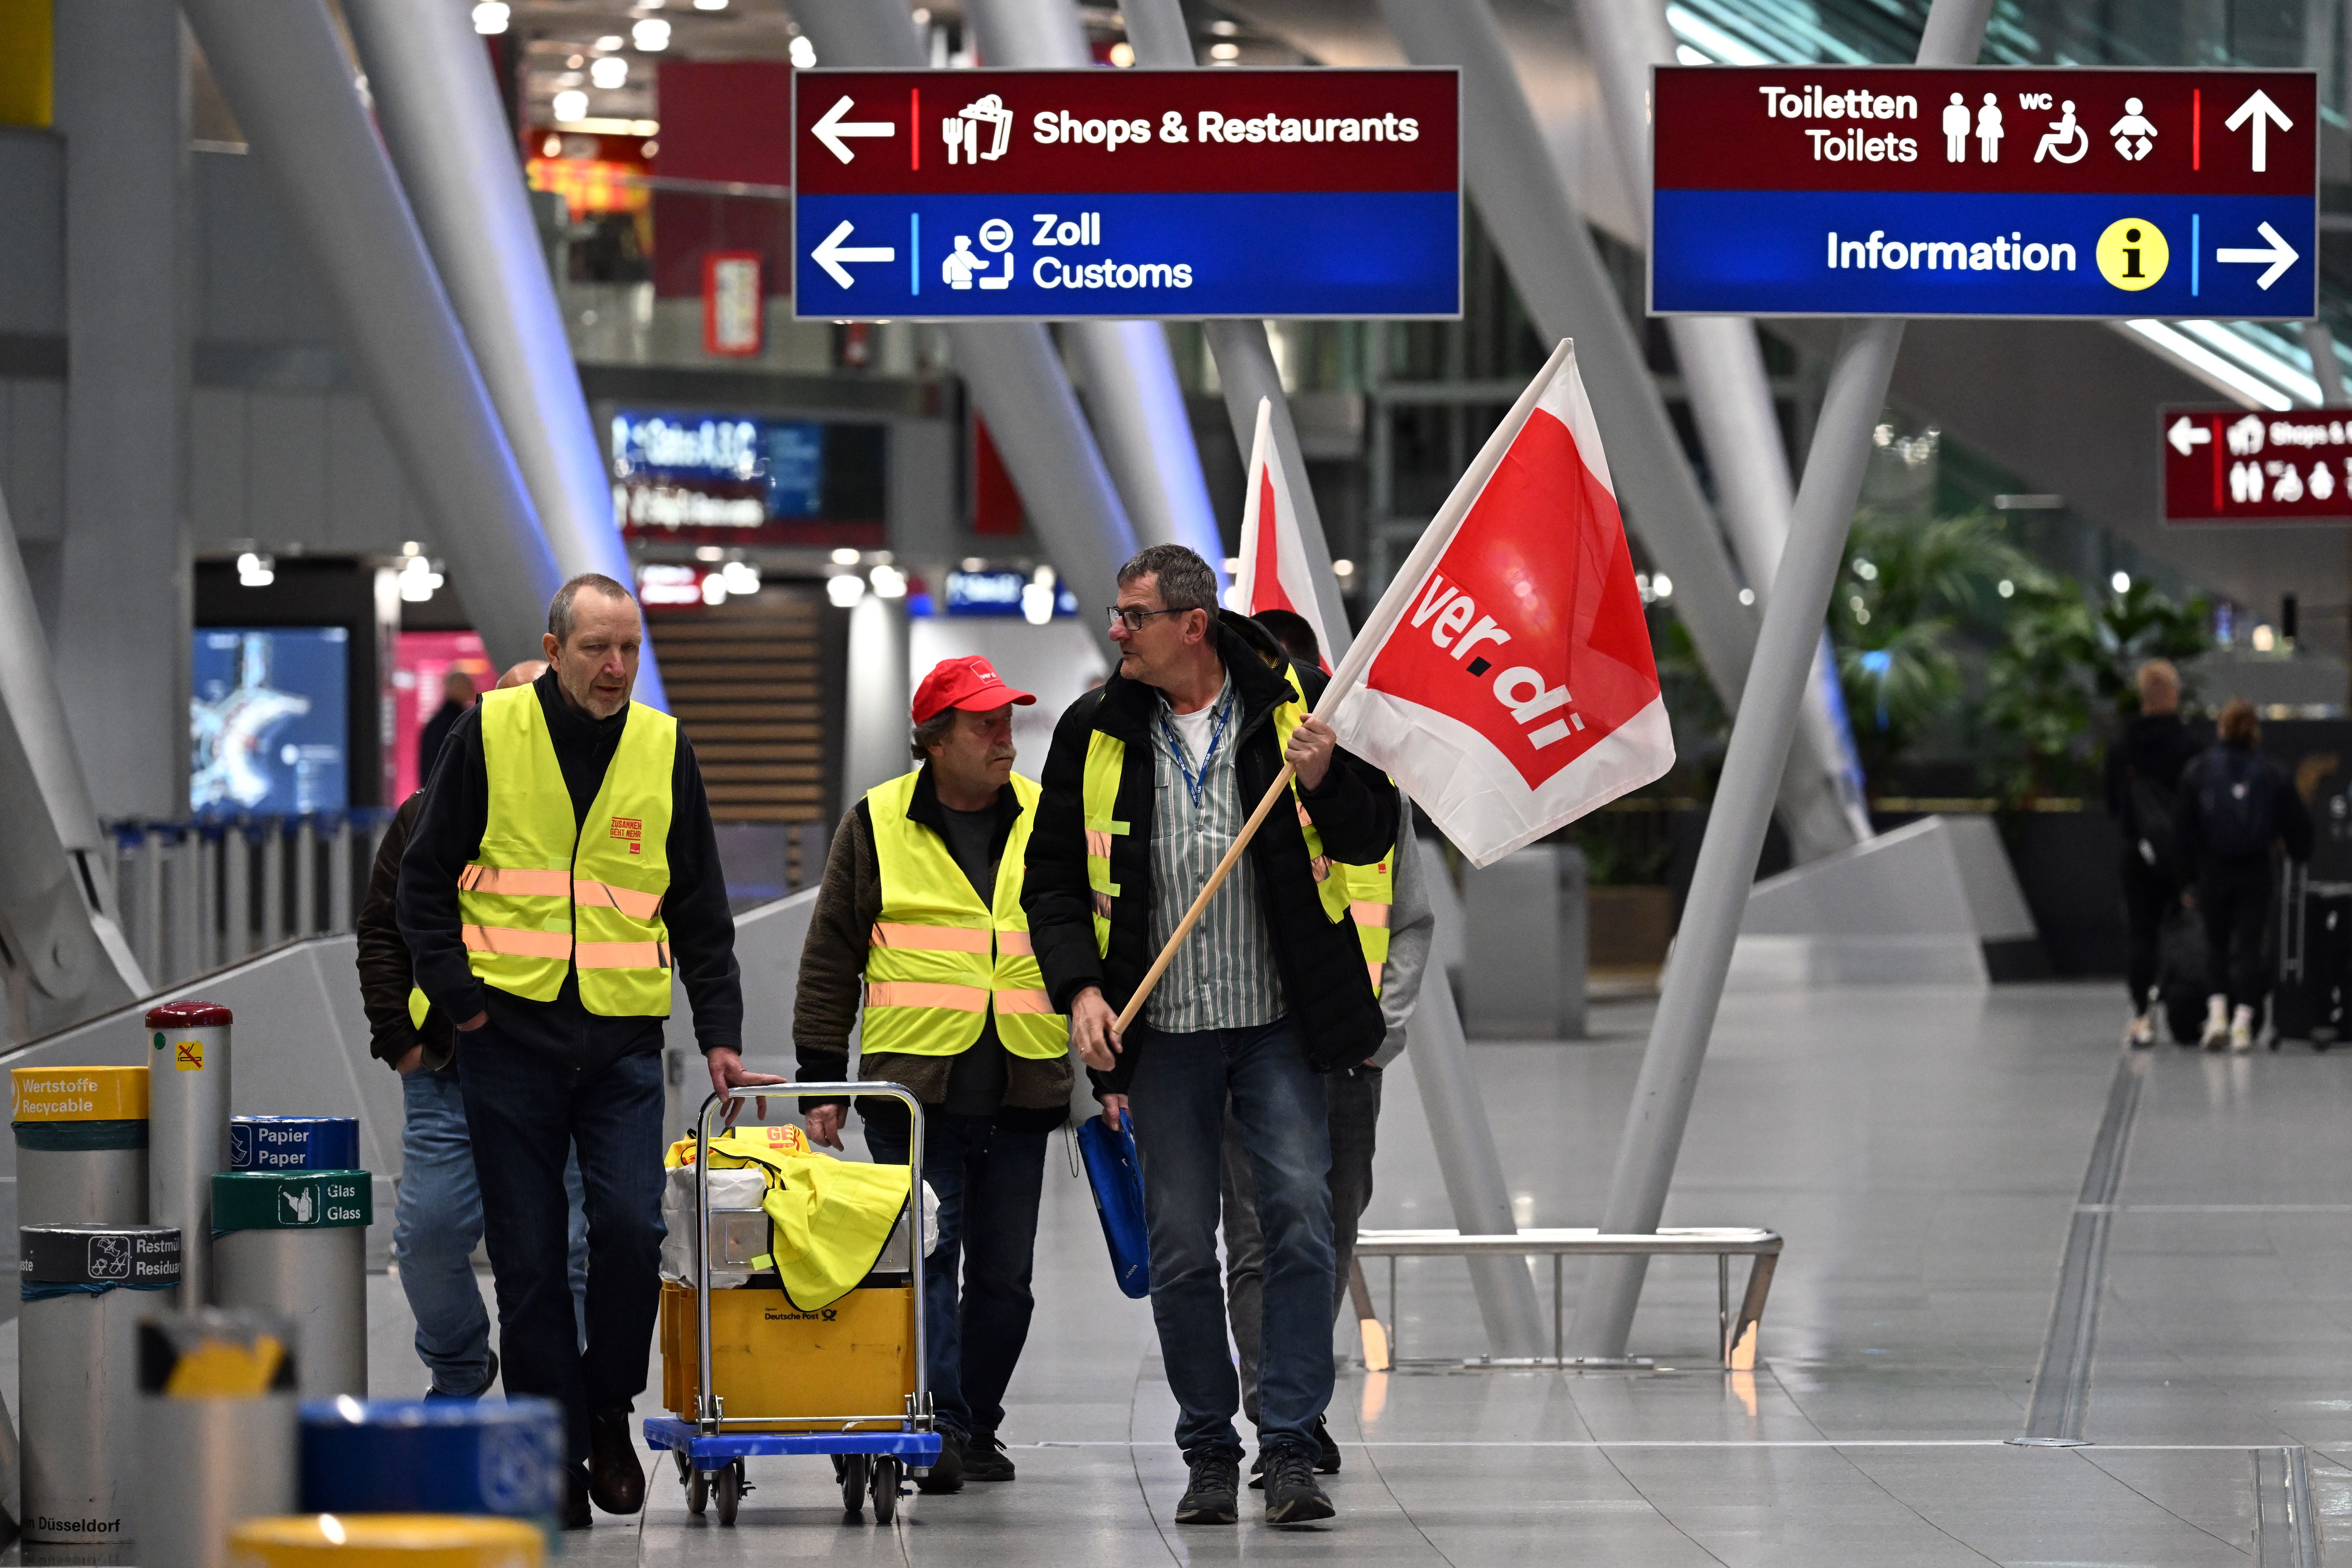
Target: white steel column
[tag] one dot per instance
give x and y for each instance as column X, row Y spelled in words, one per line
column 1693, row 992
column 438, row 104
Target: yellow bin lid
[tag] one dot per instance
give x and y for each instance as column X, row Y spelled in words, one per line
column 78, row 1094
column 395, row 1540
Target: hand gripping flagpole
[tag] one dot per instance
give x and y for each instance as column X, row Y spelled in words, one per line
column 1367, row 645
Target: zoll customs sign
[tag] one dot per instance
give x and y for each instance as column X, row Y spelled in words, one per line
column 2226, row 465
column 1995, row 191
column 1059, row 194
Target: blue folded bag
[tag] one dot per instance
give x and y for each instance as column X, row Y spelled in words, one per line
column 1116, row 1177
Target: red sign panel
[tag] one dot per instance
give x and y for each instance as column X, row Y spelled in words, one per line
column 2227, row 465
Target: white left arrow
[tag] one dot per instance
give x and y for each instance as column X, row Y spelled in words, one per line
column 832, row 253
column 2187, row 435
column 2265, row 114
column 832, row 128
column 2281, row 255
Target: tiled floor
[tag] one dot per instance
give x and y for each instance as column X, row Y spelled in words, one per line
column 1921, row 1151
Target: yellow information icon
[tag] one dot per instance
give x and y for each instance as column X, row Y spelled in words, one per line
column 2132, row 254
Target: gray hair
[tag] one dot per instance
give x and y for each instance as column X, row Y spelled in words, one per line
column 559, row 608
column 933, row 731
column 1184, row 580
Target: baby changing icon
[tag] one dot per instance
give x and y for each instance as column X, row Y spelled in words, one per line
column 2134, row 133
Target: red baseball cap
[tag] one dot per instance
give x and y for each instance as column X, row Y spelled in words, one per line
column 968, row 682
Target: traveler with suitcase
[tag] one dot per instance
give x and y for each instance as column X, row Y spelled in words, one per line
column 2143, row 769
column 2234, row 803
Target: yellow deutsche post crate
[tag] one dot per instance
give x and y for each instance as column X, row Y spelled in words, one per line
column 856, row 1357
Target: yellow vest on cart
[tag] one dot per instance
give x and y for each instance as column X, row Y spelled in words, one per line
column 549, row 893
column 939, row 962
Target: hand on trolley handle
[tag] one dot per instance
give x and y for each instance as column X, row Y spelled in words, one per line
column 729, row 1076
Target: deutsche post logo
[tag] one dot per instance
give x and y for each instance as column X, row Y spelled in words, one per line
column 188, row 1056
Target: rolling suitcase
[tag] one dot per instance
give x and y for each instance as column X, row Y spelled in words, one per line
column 2314, row 973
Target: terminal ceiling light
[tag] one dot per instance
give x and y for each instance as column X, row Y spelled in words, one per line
column 2121, row 582
column 2265, row 639
column 845, row 556
column 419, row 579
column 254, row 570
column 650, row 33
column 846, row 590
column 1661, row 585
column 1747, row 596
column 708, row 553
column 1225, row 51
column 710, row 5
column 491, row 18
column 1343, row 568
column 803, row 54
column 609, row 42
column 741, row 578
column 1224, row 29
column 1233, row 565
column 571, row 104
column 2005, row 588
column 610, row 72
column 889, row 583
column 1122, row 53
column 974, row 564
column 1036, row 603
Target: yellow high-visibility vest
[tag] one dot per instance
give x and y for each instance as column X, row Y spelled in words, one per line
column 939, row 962
column 548, row 894
column 1364, row 891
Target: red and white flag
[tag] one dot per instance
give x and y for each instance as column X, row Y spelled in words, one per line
column 1274, row 575
column 1506, row 678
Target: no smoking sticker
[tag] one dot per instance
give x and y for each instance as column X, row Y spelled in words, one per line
column 188, row 1056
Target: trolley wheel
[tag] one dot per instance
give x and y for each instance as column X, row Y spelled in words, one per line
column 887, row 1470
column 698, row 1490
column 684, row 1466
column 853, row 1470
column 730, row 1489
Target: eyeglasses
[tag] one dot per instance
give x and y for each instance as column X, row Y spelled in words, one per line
column 1133, row 618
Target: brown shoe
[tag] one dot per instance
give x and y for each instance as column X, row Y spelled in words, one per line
column 615, row 1479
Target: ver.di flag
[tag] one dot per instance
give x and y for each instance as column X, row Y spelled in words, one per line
column 1506, row 678
column 1274, row 575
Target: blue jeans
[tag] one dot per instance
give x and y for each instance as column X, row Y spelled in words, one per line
column 528, row 1112
column 988, row 1180
column 1183, row 1085
column 437, row 1222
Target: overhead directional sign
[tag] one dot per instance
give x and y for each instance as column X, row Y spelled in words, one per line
column 1994, row 191
column 2227, row 465
column 1059, row 194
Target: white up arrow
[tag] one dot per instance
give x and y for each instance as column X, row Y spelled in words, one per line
column 2187, row 435
column 2281, row 255
column 832, row 128
column 832, row 253
column 2265, row 114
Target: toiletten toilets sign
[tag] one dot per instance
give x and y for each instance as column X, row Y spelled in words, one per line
column 1994, row 191
column 1050, row 195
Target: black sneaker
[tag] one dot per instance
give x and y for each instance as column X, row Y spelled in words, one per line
column 1211, row 1493
column 947, row 1470
column 1292, row 1493
column 985, row 1458
column 1327, row 1452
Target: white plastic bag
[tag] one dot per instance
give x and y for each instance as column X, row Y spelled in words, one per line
column 729, row 1190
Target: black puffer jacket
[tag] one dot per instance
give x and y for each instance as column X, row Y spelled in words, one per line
column 1322, row 965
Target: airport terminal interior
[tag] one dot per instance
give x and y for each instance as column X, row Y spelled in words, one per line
column 1862, row 982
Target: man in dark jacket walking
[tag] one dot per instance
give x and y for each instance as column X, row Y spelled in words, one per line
column 2234, row 803
column 2143, row 769
column 563, row 862
column 1148, row 783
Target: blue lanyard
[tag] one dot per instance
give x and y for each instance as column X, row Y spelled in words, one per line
column 1195, row 782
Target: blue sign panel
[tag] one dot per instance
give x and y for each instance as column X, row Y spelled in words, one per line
column 271, row 720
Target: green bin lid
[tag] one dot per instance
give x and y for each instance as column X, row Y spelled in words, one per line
column 292, row 1200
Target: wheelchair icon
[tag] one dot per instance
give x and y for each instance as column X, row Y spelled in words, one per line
column 2063, row 132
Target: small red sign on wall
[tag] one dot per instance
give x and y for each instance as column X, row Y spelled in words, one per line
column 733, row 316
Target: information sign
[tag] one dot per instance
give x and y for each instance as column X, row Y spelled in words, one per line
column 1057, row 194
column 2227, row 465
column 1993, row 191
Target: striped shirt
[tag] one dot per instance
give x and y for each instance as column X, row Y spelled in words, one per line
column 1224, row 977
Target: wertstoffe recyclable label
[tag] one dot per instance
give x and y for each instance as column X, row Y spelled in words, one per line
column 78, row 1094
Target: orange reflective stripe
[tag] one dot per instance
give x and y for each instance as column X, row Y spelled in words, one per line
column 926, row 994
column 1368, row 913
column 518, row 942
column 930, row 939
column 1015, row 944
column 1023, row 1002
column 623, row 955
column 515, row 882
column 628, row 900
column 1373, row 966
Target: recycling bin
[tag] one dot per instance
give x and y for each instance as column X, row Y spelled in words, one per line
column 187, row 1093
column 293, row 1142
column 217, row 1417
column 295, row 1243
column 81, row 1144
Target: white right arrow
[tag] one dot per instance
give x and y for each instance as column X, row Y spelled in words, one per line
column 831, row 252
column 832, row 128
column 2186, row 434
column 2281, row 255
column 2263, row 113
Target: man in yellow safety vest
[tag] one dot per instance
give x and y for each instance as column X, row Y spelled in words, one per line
column 562, row 868
column 919, row 923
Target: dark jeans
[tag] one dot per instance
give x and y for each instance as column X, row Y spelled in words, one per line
column 2149, row 897
column 528, row 1111
column 988, row 1182
column 1182, row 1085
column 2233, row 899
column 1355, row 1095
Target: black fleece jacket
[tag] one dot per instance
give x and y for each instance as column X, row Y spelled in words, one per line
column 1332, row 1007
column 449, row 835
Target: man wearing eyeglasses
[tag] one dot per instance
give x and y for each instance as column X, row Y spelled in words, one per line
column 1149, row 782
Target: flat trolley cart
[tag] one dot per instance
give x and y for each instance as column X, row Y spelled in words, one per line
column 745, row 1372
